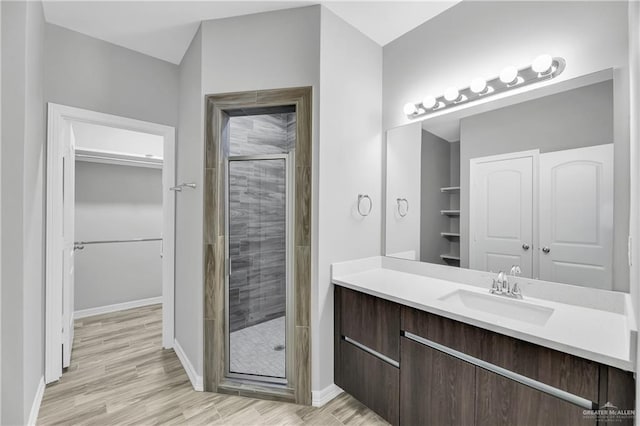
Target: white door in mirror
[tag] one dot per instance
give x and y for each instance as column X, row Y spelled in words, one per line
column 501, row 212
column 576, row 216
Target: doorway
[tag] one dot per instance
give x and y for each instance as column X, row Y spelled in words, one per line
column 129, row 150
column 257, row 232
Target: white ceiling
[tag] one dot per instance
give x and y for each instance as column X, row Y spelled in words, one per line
column 164, row 29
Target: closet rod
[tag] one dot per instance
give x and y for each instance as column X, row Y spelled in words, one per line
column 131, row 240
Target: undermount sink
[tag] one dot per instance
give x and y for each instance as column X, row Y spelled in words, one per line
column 499, row 306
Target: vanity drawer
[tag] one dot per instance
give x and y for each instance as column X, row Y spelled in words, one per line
column 370, row 321
column 563, row 371
column 371, row 381
column 504, row 402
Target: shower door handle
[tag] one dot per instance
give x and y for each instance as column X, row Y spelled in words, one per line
column 227, row 266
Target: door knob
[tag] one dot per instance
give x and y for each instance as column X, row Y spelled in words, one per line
column 546, row 250
column 525, row 247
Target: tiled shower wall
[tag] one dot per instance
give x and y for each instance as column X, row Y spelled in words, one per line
column 257, row 213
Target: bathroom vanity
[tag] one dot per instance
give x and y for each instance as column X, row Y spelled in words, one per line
column 426, row 344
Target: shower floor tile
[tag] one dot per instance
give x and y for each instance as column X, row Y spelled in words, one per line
column 252, row 349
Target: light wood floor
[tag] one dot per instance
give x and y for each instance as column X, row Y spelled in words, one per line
column 120, row 374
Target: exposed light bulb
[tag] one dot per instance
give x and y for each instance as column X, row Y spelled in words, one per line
column 542, row 64
column 478, row 85
column 410, row 108
column 429, row 102
column 509, row 75
column 451, row 94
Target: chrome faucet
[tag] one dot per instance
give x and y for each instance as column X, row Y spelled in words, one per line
column 502, row 286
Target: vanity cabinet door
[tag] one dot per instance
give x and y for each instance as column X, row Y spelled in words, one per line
column 371, row 321
column 560, row 370
column 501, row 401
column 435, row 388
column 370, row 380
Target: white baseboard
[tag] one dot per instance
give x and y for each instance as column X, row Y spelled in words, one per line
column 83, row 313
column 35, row 406
column 321, row 397
column 196, row 381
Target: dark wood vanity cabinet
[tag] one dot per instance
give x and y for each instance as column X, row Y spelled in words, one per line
column 569, row 373
column 367, row 350
column 371, row 381
column 371, row 321
column 417, row 368
column 504, row 402
column 435, row 387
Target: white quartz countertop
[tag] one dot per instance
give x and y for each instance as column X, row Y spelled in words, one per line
column 604, row 336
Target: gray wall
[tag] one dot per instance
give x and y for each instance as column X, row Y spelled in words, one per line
column 572, row 119
column 226, row 57
column 189, row 207
column 92, row 74
column 117, row 202
column 349, row 151
column 257, row 219
column 22, row 194
column 434, row 174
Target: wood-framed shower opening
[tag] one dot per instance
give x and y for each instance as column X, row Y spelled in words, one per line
column 214, row 242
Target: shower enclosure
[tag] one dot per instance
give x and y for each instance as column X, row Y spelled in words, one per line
column 259, row 246
column 257, row 194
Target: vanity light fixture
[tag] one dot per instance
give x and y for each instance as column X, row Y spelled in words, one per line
column 429, row 102
column 479, row 86
column 410, row 109
column 509, row 75
column 542, row 64
column 452, row 95
column 544, row 67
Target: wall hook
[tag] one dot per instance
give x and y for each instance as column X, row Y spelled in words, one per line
column 179, row 188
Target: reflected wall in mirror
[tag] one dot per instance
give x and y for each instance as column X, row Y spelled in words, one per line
column 534, row 184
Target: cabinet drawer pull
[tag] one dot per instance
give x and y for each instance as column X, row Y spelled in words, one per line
column 372, row 352
column 542, row 387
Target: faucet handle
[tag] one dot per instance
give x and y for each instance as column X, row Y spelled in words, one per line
column 515, row 290
column 515, row 270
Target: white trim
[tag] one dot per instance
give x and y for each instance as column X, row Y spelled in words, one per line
column 117, row 158
column 321, row 397
column 196, row 380
column 83, row 313
column 37, row 400
column 60, row 118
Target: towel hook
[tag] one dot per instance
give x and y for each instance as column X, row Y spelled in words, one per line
column 402, row 212
column 179, row 188
column 361, row 198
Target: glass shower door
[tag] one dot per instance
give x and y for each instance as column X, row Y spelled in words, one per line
column 257, row 273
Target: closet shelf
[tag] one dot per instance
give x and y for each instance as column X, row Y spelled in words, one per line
column 108, row 157
column 450, row 212
column 450, row 234
column 450, row 189
column 450, row 257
